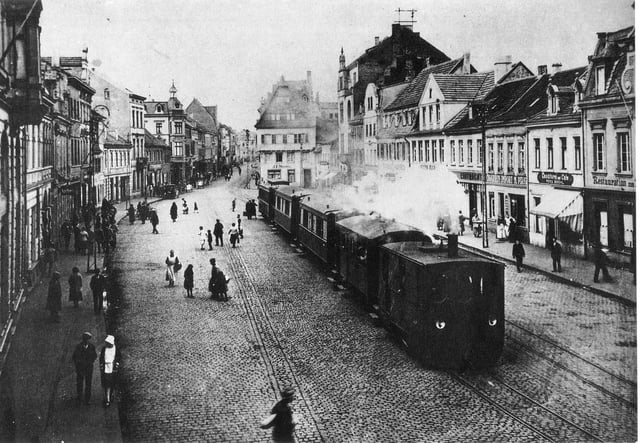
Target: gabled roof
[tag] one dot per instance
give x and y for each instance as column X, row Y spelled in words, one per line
column 203, row 118
column 410, row 96
column 150, row 107
column 289, row 97
column 566, row 96
column 462, row 87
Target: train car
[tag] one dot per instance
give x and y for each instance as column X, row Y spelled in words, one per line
column 317, row 226
column 286, row 208
column 446, row 305
column 359, row 241
column 266, row 199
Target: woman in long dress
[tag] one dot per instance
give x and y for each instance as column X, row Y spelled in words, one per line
column 171, row 262
column 75, row 286
column 109, row 365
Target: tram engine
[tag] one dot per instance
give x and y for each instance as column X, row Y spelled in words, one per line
column 446, row 306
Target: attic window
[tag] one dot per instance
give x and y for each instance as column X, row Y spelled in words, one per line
column 600, row 80
column 159, row 108
column 305, row 98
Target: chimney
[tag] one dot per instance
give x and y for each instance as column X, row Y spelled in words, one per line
column 542, row 69
column 501, row 67
column 452, row 245
column 555, row 68
column 377, row 40
column 466, row 63
column 309, row 84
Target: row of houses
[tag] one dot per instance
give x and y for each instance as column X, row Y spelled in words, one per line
column 552, row 149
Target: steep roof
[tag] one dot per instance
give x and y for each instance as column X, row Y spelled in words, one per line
column 113, row 140
column 565, row 112
column 410, row 96
column 197, row 112
column 289, row 97
column 461, row 86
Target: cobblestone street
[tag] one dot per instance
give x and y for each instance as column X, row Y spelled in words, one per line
column 197, row 369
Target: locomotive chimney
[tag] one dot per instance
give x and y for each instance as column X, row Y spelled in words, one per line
column 452, row 245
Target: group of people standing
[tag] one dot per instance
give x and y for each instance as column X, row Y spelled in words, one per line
column 99, row 285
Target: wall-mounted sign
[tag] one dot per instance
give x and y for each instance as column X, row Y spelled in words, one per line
column 616, row 182
column 555, row 178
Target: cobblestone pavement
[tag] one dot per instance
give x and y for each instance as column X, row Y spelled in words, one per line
column 197, row 369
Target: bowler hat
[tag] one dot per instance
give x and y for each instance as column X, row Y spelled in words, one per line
column 87, row 335
column 287, row 392
column 212, row 261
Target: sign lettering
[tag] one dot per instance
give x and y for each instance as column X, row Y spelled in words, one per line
column 555, row 178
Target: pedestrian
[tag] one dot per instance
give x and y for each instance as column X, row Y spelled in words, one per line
column 75, row 286
column 66, row 230
column 282, row 420
column 556, row 255
column 84, row 240
column 153, row 218
column 461, row 219
column 210, row 239
column 113, row 237
column 512, row 229
column 185, row 207
column 54, row 297
column 188, row 281
column 97, row 287
column 106, row 238
column 50, row 257
column 233, row 235
column 132, row 213
column 600, row 260
column 172, row 263
column 247, row 209
column 83, row 357
column 218, row 282
column 139, row 208
column 202, row 237
column 218, row 231
column 144, row 212
column 99, row 236
column 233, row 205
column 109, row 366
column 518, row 254
column 174, row 211
column 195, row 208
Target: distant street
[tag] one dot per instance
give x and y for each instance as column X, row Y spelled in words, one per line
column 207, row 370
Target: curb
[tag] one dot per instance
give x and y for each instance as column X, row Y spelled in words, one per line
column 556, row 277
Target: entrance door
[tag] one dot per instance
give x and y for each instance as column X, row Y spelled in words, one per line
column 473, row 199
column 307, row 178
column 604, row 228
column 501, row 205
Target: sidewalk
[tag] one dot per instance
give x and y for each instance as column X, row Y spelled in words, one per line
column 41, row 373
column 575, row 271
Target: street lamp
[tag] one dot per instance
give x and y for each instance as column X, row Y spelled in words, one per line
column 482, row 111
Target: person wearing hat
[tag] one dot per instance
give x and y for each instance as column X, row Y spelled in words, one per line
column 75, row 286
column 109, row 365
column 54, row 296
column 218, row 282
column 97, row 287
column 282, row 419
column 83, row 357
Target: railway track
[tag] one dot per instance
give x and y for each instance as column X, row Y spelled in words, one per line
column 279, row 367
column 609, row 383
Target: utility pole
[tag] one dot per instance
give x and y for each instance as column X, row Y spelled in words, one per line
column 481, row 109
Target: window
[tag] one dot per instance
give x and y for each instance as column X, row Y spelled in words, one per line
column 107, row 94
column 480, row 151
column 536, row 143
column 437, row 114
column 430, row 93
column 491, row 159
column 549, row 153
column 420, row 151
column 178, row 148
column 424, row 116
column 348, row 110
column 158, row 127
column 577, row 160
column 274, row 139
column 600, row 80
column 290, row 156
column 470, row 152
column 453, row 152
column 492, row 198
column 563, row 152
column 291, row 175
column 510, row 157
column 538, row 224
column 262, row 138
column 177, row 127
column 278, row 157
column 413, row 151
column 441, row 146
column 284, row 138
column 624, row 152
column 521, row 157
column 461, row 152
column 500, row 157
column 341, row 112
column 430, row 114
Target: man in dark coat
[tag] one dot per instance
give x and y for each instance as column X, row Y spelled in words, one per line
column 600, row 260
column 218, row 282
column 174, row 211
column 132, row 213
column 556, row 255
column 83, row 357
column 97, row 286
column 512, row 230
column 153, row 218
column 218, row 232
column 284, row 423
column 518, row 254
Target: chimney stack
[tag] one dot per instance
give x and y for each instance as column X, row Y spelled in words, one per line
column 377, row 40
column 555, row 68
column 309, row 84
column 542, row 69
column 466, row 63
column 501, row 67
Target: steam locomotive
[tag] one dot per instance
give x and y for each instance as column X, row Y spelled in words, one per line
column 446, row 306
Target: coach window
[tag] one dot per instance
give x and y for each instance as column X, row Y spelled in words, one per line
column 320, row 228
column 305, row 218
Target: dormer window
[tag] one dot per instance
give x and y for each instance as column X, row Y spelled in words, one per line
column 159, row 108
column 552, row 97
column 430, row 93
column 600, row 81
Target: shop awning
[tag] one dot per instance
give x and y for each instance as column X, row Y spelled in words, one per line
column 564, row 205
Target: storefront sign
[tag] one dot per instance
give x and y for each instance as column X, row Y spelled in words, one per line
column 470, row 176
column 617, row 182
column 429, row 167
column 507, row 179
column 67, row 191
column 555, row 178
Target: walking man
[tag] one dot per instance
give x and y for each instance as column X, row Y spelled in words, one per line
column 153, row 218
column 556, row 255
column 218, row 232
column 210, row 239
column 97, row 286
column 233, row 235
column 233, row 205
column 600, row 259
column 518, row 254
column 83, row 357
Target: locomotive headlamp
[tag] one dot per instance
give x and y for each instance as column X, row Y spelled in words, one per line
column 493, row 322
column 440, row 324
